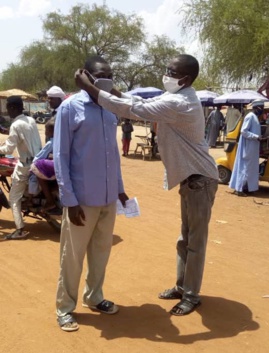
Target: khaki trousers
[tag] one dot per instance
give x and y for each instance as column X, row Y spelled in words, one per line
column 94, row 240
column 19, row 181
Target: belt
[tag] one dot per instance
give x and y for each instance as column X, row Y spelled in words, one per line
column 192, row 177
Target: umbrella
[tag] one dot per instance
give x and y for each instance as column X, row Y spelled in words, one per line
column 146, row 92
column 206, row 97
column 243, row 96
column 17, row 92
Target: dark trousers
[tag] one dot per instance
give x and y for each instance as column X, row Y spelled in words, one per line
column 197, row 198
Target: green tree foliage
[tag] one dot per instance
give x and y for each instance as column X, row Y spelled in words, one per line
column 234, row 34
column 147, row 66
column 70, row 39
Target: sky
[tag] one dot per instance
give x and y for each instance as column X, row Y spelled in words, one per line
column 21, row 21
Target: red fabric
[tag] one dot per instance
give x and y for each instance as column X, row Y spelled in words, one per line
column 125, row 146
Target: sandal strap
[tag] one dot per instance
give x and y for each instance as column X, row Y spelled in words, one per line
column 63, row 320
column 171, row 293
column 105, row 305
column 184, row 307
column 17, row 234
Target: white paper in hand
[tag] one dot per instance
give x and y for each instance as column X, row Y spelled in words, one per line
column 131, row 208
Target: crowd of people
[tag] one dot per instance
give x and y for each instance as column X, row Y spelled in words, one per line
column 90, row 183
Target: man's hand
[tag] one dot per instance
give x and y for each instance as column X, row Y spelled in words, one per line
column 76, row 215
column 123, row 198
column 82, row 79
column 261, row 138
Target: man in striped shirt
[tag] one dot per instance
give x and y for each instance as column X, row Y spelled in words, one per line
column 185, row 155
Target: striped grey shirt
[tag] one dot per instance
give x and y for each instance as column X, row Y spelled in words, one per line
column 181, row 128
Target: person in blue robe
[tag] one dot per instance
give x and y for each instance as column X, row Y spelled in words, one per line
column 245, row 174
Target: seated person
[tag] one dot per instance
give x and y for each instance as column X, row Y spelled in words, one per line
column 42, row 170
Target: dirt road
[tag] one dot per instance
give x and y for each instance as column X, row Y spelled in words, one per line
column 233, row 316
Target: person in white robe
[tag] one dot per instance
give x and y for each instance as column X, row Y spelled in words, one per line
column 245, row 174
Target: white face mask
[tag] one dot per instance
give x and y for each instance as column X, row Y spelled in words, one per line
column 105, row 84
column 171, row 84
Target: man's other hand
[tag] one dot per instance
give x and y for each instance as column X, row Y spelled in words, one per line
column 76, row 215
column 123, row 198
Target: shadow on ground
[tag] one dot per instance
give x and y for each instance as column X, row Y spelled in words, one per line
column 221, row 317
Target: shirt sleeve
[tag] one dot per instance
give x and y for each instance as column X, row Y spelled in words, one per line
column 11, row 142
column 245, row 130
column 46, row 150
column 63, row 136
column 120, row 181
column 159, row 109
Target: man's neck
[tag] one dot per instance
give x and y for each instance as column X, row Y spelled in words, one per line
column 14, row 116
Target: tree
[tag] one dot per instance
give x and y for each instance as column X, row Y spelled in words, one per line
column 147, row 66
column 69, row 39
column 234, row 35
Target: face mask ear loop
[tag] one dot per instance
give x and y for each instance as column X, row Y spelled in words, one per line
column 94, row 79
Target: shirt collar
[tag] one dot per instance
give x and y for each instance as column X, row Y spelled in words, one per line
column 18, row 117
column 86, row 97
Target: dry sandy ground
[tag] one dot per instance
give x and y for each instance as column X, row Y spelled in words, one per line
column 233, row 316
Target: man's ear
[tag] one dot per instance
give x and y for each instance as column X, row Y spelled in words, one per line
column 189, row 80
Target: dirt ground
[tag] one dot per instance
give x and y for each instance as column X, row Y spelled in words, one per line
column 233, row 316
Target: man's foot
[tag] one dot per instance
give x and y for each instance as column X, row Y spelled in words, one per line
column 172, row 293
column 67, row 323
column 106, row 307
column 184, row 307
column 240, row 193
column 18, row 234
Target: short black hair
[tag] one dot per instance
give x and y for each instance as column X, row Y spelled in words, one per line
column 92, row 61
column 189, row 65
column 15, row 101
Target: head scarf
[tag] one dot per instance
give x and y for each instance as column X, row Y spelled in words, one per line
column 56, row 92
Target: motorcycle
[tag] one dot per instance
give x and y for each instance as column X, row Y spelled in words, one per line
column 33, row 209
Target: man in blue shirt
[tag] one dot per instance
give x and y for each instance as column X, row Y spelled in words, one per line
column 87, row 167
column 187, row 162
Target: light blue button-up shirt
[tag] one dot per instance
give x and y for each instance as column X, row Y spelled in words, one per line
column 46, row 150
column 85, row 152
